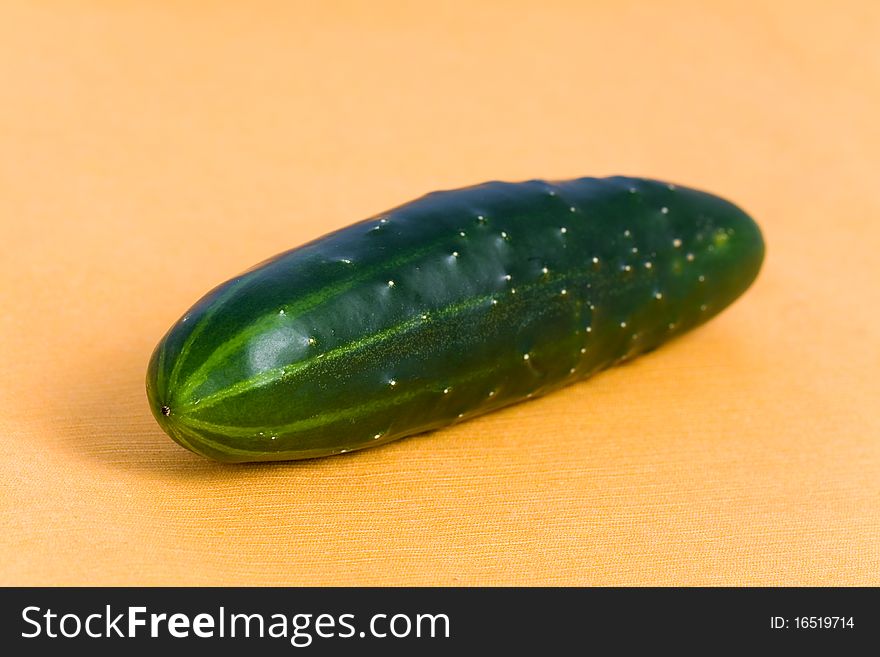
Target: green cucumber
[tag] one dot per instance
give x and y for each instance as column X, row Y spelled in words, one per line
column 447, row 307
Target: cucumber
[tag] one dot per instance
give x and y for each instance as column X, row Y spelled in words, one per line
column 447, row 307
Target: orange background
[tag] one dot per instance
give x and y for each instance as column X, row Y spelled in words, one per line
column 149, row 150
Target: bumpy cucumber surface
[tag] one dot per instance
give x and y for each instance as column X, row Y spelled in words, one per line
column 447, row 307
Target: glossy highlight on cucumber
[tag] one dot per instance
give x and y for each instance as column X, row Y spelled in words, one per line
column 445, row 308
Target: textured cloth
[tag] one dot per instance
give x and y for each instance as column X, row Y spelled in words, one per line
column 152, row 150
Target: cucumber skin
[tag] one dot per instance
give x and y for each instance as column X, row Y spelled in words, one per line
column 442, row 309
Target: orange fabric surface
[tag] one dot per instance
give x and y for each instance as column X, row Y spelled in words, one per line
column 151, row 150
